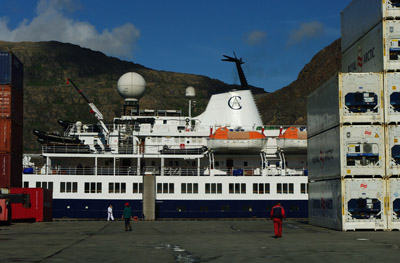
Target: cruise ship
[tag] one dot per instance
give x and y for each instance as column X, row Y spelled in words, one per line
column 223, row 163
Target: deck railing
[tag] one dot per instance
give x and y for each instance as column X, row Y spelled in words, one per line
column 160, row 171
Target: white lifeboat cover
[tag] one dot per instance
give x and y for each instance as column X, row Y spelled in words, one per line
column 231, row 109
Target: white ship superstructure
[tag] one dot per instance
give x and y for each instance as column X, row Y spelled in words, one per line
column 222, row 163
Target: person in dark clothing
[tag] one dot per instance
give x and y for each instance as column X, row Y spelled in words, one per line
column 277, row 214
column 127, row 215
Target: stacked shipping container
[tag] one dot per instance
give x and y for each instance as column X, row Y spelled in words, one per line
column 11, row 120
column 354, row 144
column 346, row 153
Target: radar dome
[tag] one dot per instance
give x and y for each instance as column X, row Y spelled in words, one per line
column 190, row 92
column 131, row 85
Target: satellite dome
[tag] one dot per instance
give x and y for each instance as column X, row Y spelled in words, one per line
column 131, row 85
column 190, row 92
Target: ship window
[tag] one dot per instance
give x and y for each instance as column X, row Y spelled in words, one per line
column 244, row 163
column 69, row 187
column 93, row 187
column 267, row 188
column 291, row 190
column 255, row 188
column 165, row 188
column 242, row 188
column 26, row 184
column 111, row 188
column 303, row 188
column 190, row 188
column 66, row 187
column 44, row 185
column 278, row 188
column 285, row 188
column 237, row 188
column 117, row 188
column 137, row 188
column 219, row 188
column 159, row 188
column 208, row 188
column 38, row 184
column 171, row 188
column 213, row 188
column 261, row 188
column 231, row 187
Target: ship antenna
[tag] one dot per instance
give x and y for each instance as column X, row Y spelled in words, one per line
column 238, row 63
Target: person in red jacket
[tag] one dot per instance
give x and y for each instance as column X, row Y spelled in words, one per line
column 277, row 214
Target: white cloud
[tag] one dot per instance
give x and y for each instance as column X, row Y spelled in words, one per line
column 306, row 30
column 51, row 24
column 256, row 38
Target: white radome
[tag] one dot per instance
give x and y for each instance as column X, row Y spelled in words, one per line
column 131, row 85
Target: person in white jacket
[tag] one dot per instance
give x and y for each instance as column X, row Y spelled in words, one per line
column 110, row 213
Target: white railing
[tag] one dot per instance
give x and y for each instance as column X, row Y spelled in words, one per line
column 161, row 171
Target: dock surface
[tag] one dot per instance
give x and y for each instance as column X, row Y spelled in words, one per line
column 192, row 241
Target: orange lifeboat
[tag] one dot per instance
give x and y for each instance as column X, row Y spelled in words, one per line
column 229, row 140
column 292, row 140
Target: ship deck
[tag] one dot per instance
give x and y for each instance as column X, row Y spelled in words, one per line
column 192, row 241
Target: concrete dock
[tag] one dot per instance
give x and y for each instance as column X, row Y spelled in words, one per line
column 192, row 241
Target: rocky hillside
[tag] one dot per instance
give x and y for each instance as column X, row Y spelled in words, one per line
column 289, row 104
column 48, row 98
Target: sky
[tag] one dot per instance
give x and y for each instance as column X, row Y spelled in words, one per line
column 275, row 39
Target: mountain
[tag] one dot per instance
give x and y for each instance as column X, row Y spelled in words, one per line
column 289, row 104
column 48, row 98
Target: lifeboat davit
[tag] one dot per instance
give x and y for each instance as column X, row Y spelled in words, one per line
column 293, row 140
column 229, row 140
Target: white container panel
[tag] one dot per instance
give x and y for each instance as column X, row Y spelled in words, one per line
column 325, row 204
column 361, row 98
column 364, row 204
column 323, row 155
column 392, row 142
column 394, row 204
column 345, row 99
column 361, row 15
column 347, row 151
column 377, row 51
column 362, row 150
column 348, row 204
column 392, row 97
column 323, row 107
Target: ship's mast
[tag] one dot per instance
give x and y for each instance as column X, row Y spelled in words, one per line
column 238, row 63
